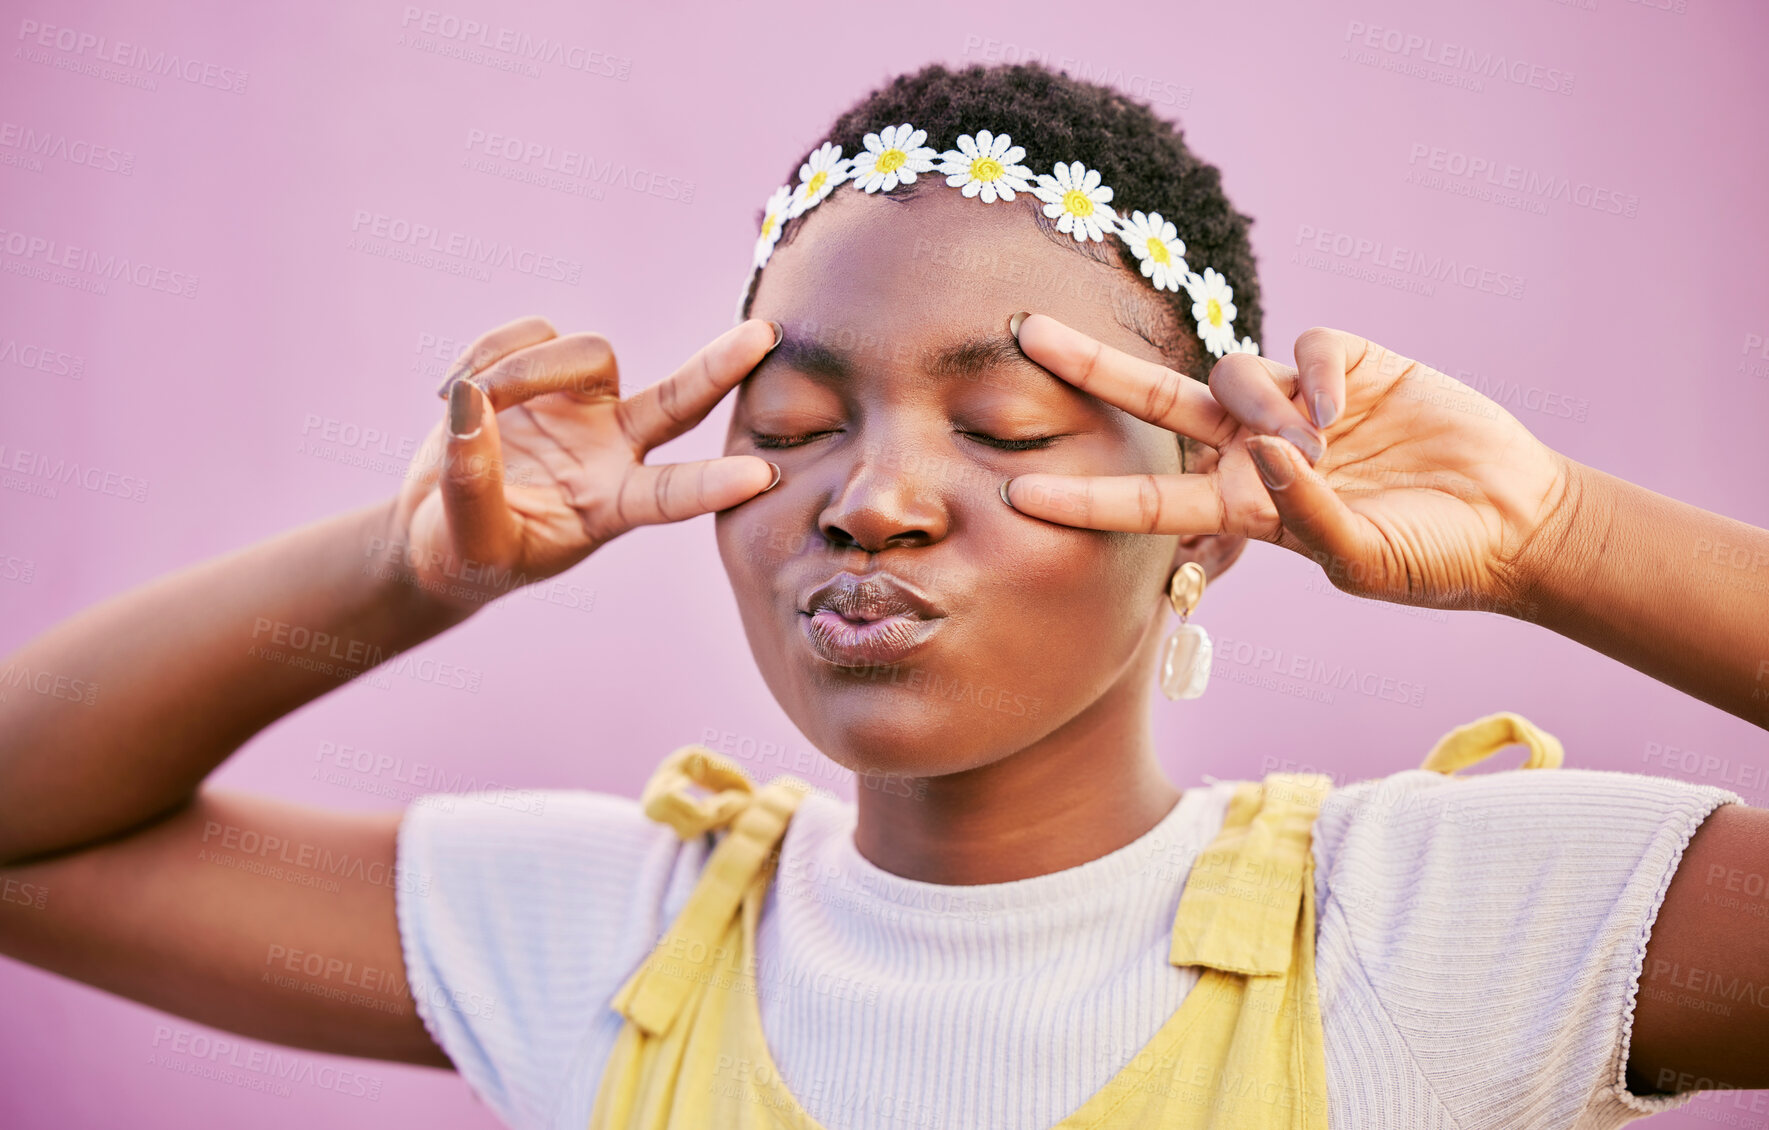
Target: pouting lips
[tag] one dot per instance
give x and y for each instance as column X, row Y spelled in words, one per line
column 874, row 643
column 859, row 621
column 872, row 596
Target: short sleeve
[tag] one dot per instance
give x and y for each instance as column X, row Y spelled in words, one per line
column 1500, row 922
column 520, row 913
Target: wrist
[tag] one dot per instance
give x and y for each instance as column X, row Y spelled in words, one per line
column 384, row 551
column 1551, row 573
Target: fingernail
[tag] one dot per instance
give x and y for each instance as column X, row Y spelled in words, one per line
column 779, row 334
column 1306, row 442
column 1004, row 483
column 1324, row 410
column 464, row 410
column 776, row 481
column 1013, row 324
column 1273, row 468
column 463, row 369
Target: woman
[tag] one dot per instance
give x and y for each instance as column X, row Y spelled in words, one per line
column 961, row 474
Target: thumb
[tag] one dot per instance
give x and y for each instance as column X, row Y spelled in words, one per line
column 480, row 525
column 1312, row 512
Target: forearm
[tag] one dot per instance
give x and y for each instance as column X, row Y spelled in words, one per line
column 117, row 714
column 1672, row 590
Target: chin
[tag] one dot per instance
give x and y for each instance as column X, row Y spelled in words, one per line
column 910, row 733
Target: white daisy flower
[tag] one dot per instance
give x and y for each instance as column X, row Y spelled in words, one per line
column 1156, row 242
column 774, row 216
column 1213, row 305
column 1076, row 200
column 1246, row 345
column 988, row 166
column 818, row 176
column 892, row 156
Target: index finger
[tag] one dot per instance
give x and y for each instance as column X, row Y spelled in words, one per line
column 673, row 405
column 1142, row 388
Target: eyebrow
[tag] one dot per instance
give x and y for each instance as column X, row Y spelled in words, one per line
column 977, row 355
column 969, row 358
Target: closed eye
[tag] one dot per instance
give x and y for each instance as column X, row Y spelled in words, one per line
column 765, row 440
column 1031, row 444
column 775, row 442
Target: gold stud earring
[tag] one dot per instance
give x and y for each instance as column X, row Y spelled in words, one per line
column 1185, row 660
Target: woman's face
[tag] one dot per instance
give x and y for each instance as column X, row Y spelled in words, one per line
column 895, row 406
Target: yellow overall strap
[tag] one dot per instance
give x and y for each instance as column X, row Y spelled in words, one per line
column 1478, row 740
column 689, row 954
column 691, row 1005
column 1248, row 909
column 1246, row 1049
column 1239, row 907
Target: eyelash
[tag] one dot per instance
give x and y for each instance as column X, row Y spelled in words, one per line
column 773, row 442
column 1032, row 444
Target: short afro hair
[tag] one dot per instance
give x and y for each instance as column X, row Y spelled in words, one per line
column 1142, row 156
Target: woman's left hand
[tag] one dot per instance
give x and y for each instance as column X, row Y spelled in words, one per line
column 1426, row 492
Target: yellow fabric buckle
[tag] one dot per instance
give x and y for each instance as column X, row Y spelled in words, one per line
column 668, row 797
column 1239, row 907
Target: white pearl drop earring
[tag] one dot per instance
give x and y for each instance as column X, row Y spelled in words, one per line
column 1185, row 660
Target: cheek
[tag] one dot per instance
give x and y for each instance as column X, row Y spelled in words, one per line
column 1068, row 600
column 755, row 540
column 763, row 544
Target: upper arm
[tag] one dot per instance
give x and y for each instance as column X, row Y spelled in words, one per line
column 262, row 917
column 1701, row 1020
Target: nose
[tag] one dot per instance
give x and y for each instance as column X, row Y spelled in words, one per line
column 890, row 496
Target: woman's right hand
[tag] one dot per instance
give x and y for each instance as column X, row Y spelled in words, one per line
column 539, row 460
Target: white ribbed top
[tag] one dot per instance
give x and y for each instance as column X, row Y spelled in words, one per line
column 1478, row 950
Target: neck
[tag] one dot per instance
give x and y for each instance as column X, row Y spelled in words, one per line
column 1084, row 790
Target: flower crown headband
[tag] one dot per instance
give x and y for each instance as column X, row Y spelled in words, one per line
column 987, row 167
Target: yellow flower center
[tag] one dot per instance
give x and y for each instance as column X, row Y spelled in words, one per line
column 1213, row 312
column 1076, row 202
column 768, row 224
column 986, row 169
column 1158, row 252
column 815, row 184
column 891, row 160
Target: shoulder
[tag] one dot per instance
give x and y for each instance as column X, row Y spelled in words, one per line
column 1485, row 862
column 1505, row 822
column 531, row 838
column 1499, row 922
column 519, row 913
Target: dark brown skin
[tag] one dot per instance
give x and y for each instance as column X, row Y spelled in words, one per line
column 1058, row 599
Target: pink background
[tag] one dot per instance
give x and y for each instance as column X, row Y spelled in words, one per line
column 1636, row 348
